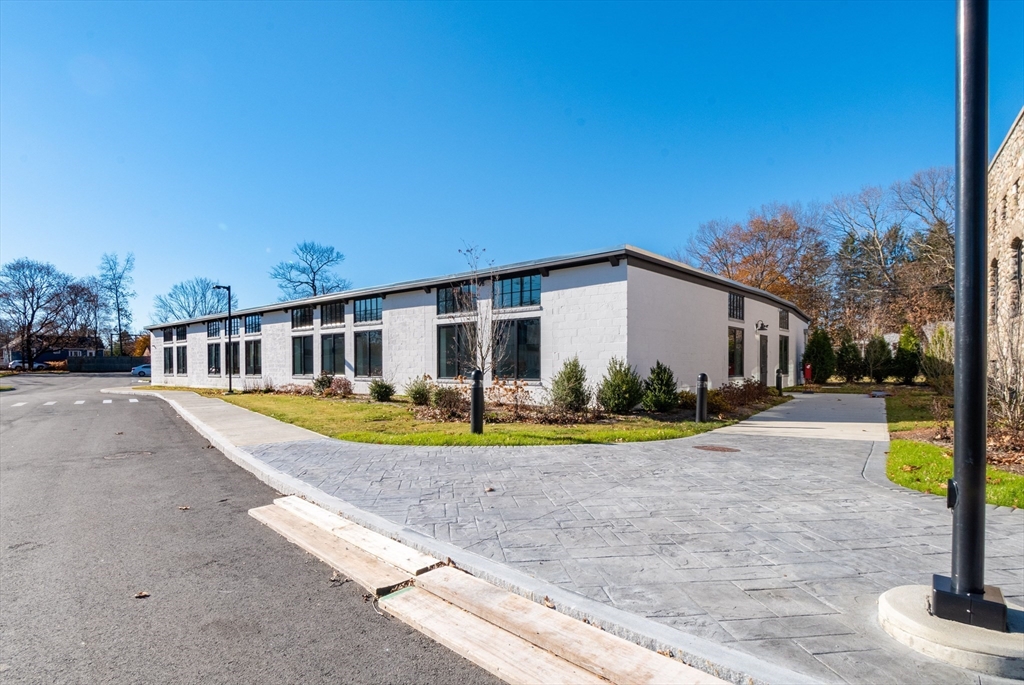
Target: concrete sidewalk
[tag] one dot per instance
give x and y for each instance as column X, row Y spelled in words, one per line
column 770, row 545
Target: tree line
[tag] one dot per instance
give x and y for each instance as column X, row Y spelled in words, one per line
column 43, row 309
column 861, row 264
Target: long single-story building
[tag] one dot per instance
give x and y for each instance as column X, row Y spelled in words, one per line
column 622, row 302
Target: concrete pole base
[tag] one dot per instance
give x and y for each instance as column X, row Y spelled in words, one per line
column 904, row 614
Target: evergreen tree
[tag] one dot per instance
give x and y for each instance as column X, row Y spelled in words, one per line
column 820, row 356
column 907, row 363
column 849, row 363
column 878, row 359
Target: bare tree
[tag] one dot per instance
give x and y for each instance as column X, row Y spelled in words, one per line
column 116, row 282
column 40, row 305
column 1006, row 375
column 481, row 336
column 191, row 298
column 309, row 274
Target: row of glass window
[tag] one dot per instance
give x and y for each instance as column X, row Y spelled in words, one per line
column 736, row 352
column 176, row 358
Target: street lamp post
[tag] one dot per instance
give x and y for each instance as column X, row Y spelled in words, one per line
column 230, row 357
column 963, row 596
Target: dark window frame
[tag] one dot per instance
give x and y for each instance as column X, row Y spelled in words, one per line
column 302, row 318
column 517, row 291
column 168, row 335
column 253, row 323
column 461, row 361
column 332, row 314
column 231, row 352
column 329, row 353
column 517, row 346
column 369, row 367
column 456, row 299
column 254, row 357
column 213, row 359
column 737, row 305
column 783, row 320
column 180, row 333
column 735, row 352
column 169, row 360
column 234, row 325
column 181, row 360
column 784, row 354
column 302, row 355
column 368, row 310
column 213, row 329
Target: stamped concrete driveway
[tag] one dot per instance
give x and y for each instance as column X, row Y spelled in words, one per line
column 775, row 536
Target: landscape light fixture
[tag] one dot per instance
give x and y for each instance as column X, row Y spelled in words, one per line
column 228, row 357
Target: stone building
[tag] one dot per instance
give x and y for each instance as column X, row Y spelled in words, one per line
column 624, row 302
column 1006, row 245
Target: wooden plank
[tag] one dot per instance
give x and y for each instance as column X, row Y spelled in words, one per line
column 507, row 656
column 384, row 548
column 367, row 570
column 588, row 647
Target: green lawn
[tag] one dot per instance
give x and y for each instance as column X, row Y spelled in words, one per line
column 394, row 423
column 927, row 468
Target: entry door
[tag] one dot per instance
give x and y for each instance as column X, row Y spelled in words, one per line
column 763, row 359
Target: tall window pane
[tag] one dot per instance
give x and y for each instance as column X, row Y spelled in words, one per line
column 517, row 350
column 253, row 323
column 302, row 355
column 182, row 352
column 368, row 309
column 168, row 361
column 369, row 353
column 332, row 354
column 233, row 324
column 454, row 353
column 783, row 320
column 213, row 359
column 735, row 351
column 233, row 361
column 736, row 306
column 784, row 354
column 253, row 357
column 213, row 329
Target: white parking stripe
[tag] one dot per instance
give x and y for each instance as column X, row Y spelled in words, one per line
column 49, row 404
column 107, row 401
column 79, row 401
column 18, row 404
column 133, row 400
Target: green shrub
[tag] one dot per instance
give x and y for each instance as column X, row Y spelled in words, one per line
column 820, row 356
column 878, row 359
column 907, row 362
column 717, row 404
column 849, row 363
column 322, row 382
column 569, row 391
column 660, row 392
column 381, row 390
column 418, row 390
column 687, row 399
column 937, row 361
column 621, row 389
column 449, row 401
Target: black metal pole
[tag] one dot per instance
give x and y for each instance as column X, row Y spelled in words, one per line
column 231, row 355
column 963, row 596
column 476, row 405
column 702, row 397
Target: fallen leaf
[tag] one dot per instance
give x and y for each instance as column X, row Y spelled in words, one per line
column 909, row 467
column 185, row 508
column 548, row 603
column 141, row 595
column 943, row 486
column 119, row 433
column 488, row 489
column 665, row 652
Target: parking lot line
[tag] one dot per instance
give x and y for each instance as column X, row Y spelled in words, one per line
column 79, row 401
column 48, row 404
column 107, row 401
column 133, row 400
column 18, row 404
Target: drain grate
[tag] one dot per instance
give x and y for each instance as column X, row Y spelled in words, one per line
column 715, row 448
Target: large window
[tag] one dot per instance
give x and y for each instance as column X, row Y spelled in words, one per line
column 213, row 329
column 232, row 353
column 179, row 333
column 369, row 353
column 332, row 314
column 253, row 323
column 253, row 357
column 520, row 291
column 735, row 351
column 213, row 359
column 168, row 360
column 181, row 352
column 302, row 355
column 451, row 300
column 784, row 354
column 233, row 324
column 454, row 351
column 168, row 335
column 783, row 320
column 736, row 307
column 368, row 309
column 332, row 354
column 302, row 317
column 517, row 349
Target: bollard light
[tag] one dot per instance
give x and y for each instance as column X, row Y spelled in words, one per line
column 476, row 405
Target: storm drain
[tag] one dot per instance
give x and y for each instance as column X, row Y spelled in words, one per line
column 715, row 448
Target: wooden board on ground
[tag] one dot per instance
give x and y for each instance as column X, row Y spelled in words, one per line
column 588, row 647
column 366, row 569
column 390, row 551
column 507, row 656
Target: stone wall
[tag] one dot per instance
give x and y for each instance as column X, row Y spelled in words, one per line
column 1006, row 231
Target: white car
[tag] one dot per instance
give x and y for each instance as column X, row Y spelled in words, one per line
column 21, row 366
column 142, row 371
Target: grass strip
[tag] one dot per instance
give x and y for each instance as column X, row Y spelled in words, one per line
column 927, row 468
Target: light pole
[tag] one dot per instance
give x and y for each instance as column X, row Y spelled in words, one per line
column 230, row 357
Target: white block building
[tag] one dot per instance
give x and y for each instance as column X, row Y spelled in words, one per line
column 623, row 302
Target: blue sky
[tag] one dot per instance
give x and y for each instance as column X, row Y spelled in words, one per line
column 209, row 138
